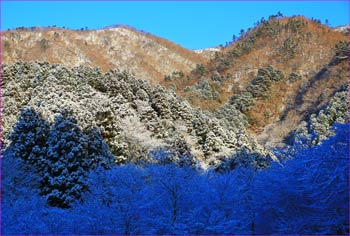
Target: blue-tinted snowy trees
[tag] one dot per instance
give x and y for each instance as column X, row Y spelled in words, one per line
column 66, row 162
column 98, row 150
column 119, row 196
column 61, row 155
column 21, row 206
column 310, row 194
column 28, row 137
column 307, row 194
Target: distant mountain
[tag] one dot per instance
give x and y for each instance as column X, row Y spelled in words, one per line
column 209, row 53
column 343, row 29
column 145, row 55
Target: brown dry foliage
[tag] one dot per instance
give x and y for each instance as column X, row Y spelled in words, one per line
column 314, row 51
column 73, row 47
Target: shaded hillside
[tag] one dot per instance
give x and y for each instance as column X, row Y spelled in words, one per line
column 164, row 199
column 317, row 127
column 310, row 60
column 135, row 119
column 146, row 55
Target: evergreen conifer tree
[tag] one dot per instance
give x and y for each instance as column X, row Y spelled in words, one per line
column 66, row 162
column 28, row 137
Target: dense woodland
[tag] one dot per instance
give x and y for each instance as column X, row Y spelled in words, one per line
column 307, row 193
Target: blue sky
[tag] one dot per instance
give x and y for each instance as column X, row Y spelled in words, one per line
column 193, row 25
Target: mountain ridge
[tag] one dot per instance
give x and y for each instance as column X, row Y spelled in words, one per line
column 114, row 47
column 302, row 49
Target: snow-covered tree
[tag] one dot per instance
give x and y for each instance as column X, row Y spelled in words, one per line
column 98, row 150
column 28, row 137
column 66, row 162
column 60, row 155
column 119, row 196
column 320, row 125
column 310, row 193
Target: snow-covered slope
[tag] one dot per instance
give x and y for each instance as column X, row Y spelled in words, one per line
column 133, row 117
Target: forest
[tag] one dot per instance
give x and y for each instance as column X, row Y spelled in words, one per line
column 306, row 192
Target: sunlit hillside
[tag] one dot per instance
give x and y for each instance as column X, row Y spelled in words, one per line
column 310, row 57
column 125, row 48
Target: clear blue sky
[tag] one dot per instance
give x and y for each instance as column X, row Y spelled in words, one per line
column 193, row 25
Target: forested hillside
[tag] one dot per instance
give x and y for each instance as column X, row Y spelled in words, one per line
column 277, row 73
column 134, row 118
